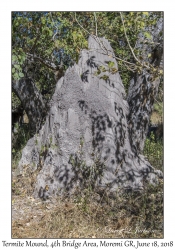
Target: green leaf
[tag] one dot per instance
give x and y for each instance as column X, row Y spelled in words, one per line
column 15, row 76
column 21, row 74
column 43, row 20
column 102, row 68
column 148, row 35
column 111, row 64
column 161, row 72
column 17, row 66
column 104, row 77
column 50, row 33
column 13, row 70
column 114, row 70
column 14, row 58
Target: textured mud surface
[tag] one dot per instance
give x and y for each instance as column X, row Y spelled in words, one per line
column 86, row 133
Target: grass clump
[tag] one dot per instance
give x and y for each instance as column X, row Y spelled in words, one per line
column 153, row 150
column 19, row 139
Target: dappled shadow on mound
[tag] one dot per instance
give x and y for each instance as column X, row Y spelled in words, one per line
column 85, row 139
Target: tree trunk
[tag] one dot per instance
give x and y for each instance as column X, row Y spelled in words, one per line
column 141, row 95
column 143, row 91
column 32, row 102
column 86, row 138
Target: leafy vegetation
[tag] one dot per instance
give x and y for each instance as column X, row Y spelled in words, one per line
column 42, row 41
column 19, row 140
column 153, row 150
column 16, row 103
column 45, row 44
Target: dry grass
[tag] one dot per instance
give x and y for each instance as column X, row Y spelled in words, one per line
column 131, row 215
column 156, row 118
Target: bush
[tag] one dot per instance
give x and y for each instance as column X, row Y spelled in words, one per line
column 153, row 151
column 19, row 139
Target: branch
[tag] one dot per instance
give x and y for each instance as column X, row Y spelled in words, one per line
column 95, row 24
column 160, row 105
column 118, row 58
column 133, row 70
column 130, row 45
column 54, row 26
column 106, row 52
column 48, row 64
column 93, row 36
column 128, row 40
column 34, row 46
column 83, row 27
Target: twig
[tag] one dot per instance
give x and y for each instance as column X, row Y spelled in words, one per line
column 128, row 40
column 133, row 70
column 83, row 27
column 130, row 45
column 54, row 26
column 95, row 24
column 102, row 45
column 93, row 36
column 106, row 52
column 46, row 63
column 55, row 35
column 115, row 57
column 158, row 103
